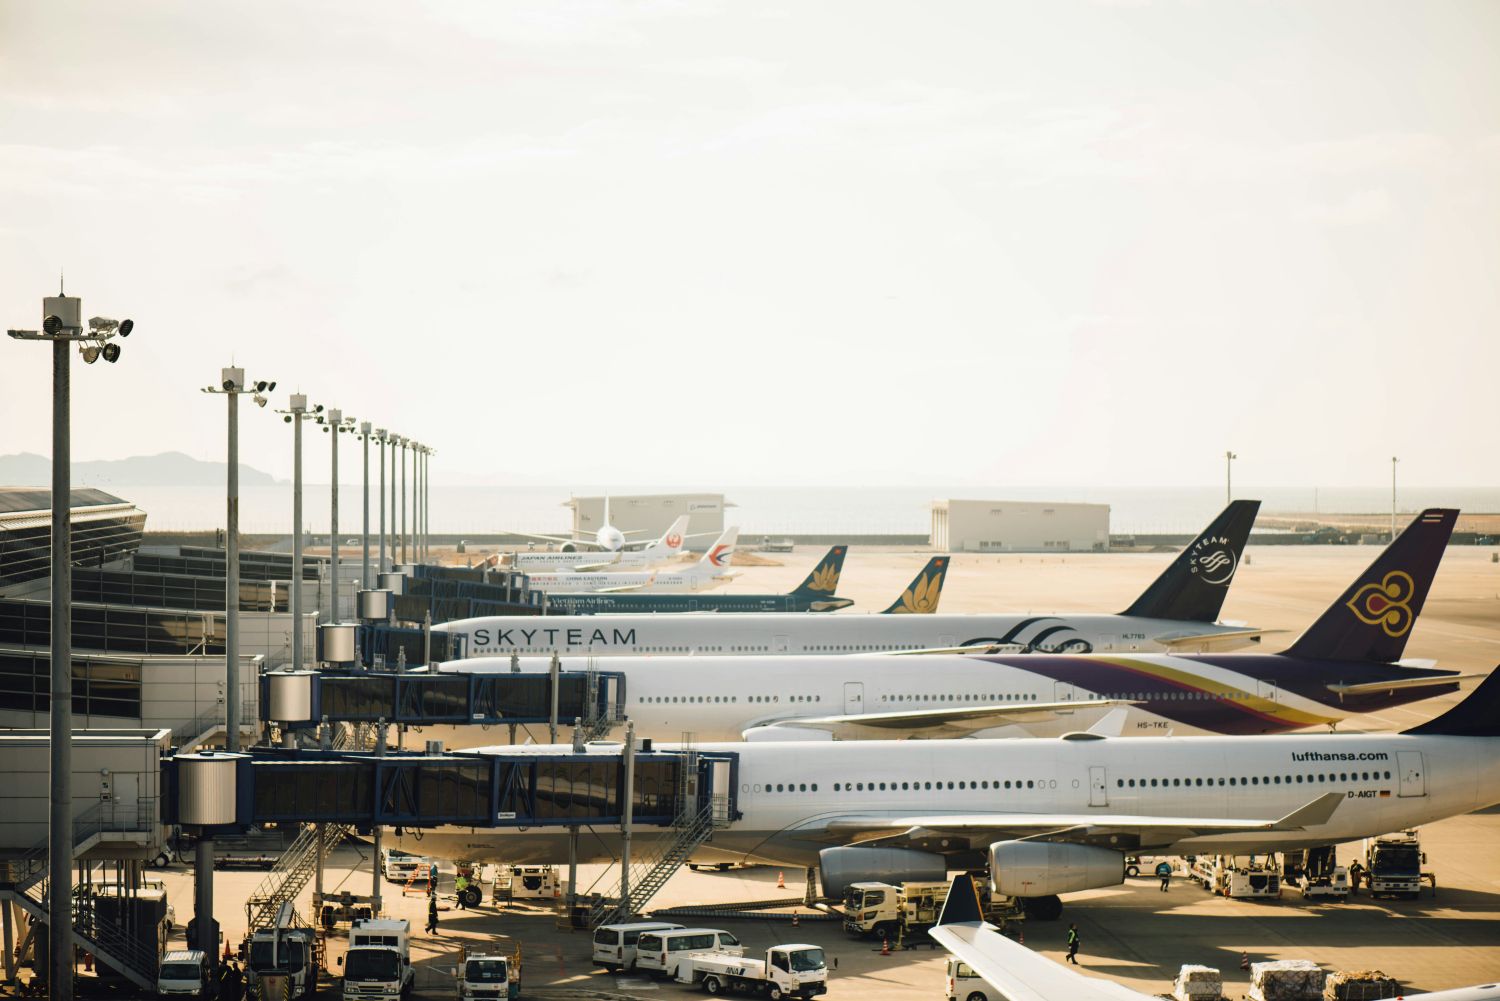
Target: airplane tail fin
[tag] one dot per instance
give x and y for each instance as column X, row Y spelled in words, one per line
column 1476, row 716
column 675, row 537
column 721, row 552
column 1193, row 587
column 1373, row 618
column 922, row 594
column 824, row 579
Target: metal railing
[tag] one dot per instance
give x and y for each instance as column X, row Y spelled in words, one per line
column 651, row 874
column 291, row 873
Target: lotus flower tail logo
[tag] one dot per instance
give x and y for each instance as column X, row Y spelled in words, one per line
column 1387, row 604
column 825, row 578
column 922, row 596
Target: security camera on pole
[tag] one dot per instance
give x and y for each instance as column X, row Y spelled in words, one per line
column 231, row 385
column 62, row 324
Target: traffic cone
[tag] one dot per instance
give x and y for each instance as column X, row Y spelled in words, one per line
column 796, row 920
column 780, row 880
column 885, row 947
column 1245, row 960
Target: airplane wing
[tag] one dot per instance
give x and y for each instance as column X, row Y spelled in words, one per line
column 958, row 721
column 580, row 541
column 1017, row 972
column 1420, row 681
column 1123, row 831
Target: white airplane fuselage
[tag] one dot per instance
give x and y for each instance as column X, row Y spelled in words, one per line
column 745, row 634
column 788, row 793
column 686, row 581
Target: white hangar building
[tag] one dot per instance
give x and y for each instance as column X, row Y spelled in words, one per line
column 998, row 526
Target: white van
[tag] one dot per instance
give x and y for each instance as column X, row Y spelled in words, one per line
column 661, row 951
column 183, row 973
column 614, row 945
column 966, row 985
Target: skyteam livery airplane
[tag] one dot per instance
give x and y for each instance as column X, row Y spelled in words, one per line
column 1177, row 612
column 1347, row 663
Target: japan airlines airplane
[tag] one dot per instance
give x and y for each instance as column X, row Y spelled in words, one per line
column 711, row 570
column 1175, row 613
column 1347, row 663
column 1045, row 816
column 1018, row 974
column 665, row 549
column 608, row 539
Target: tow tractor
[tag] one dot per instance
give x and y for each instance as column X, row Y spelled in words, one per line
column 788, row 971
column 486, row 974
column 342, row 908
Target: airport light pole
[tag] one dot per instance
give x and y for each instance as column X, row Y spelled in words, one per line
column 1394, row 460
column 62, row 324
column 295, row 414
column 1229, row 458
column 427, row 499
column 404, row 442
column 380, row 439
column 231, row 386
column 364, row 568
column 416, row 503
column 333, row 422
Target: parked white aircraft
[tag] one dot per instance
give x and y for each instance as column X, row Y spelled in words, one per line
column 608, row 539
column 665, row 549
column 1018, row 974
column 710, row 571
column 1046, row 816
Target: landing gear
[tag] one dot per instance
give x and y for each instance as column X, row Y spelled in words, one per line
column 470, row 896
column 1043, row 908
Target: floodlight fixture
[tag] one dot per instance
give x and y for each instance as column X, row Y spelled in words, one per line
column 52, row 324
column 228, row 385
column 90, row 353
column 126, row 326
column 260, row 387
column 111, row 353
column 260, row 401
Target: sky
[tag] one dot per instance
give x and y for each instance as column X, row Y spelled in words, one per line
column 698, row 243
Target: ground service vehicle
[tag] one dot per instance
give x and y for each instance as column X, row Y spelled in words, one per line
column 378, row 963
column 280, row 961
column 1393, row 865
column 398, row 866
column 1237, row 877
column 527, row 882
column 489, row 976
column 662, row 951
column 881, row 910
column 788, row 971
column 614, row 945
column 966, row 985
column 183, row 973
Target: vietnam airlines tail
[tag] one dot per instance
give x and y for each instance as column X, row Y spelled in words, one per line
column 818, row 587
column 922, row 594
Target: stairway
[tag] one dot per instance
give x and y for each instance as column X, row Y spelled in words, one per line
column 292, row 872
column 651, row 874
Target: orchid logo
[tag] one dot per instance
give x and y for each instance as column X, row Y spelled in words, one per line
column 1387, row 604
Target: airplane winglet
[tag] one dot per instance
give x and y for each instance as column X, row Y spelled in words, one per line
column 1314, row 814
column 962, row 906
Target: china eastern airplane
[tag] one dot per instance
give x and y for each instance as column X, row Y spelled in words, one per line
column 1045, row 816
column 1177, row 612
column 665, row 549
column 1346, row 664
column 1013, row 972
column 710, row 571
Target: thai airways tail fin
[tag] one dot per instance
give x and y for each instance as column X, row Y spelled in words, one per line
column 720, row 554
column 824, row 579
column 922, row 594
column 1374, row 617
column 1193, row 587
column 1476, row 716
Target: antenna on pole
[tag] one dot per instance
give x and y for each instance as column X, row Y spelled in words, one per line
column 60, row 282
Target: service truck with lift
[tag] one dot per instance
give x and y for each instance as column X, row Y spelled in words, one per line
column 487, row 974
column 893, row 911
column 378, row 963
column 1393, row 865
column 282, row 958
column 788, row 971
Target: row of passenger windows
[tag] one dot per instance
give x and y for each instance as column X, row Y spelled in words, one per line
column 658, row 699
column 1019, row 697
column 963, row 784
column 1253, row 780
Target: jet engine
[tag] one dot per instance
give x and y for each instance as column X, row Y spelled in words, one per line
column 1044, row 869
column 838, row 867
column 567, row 547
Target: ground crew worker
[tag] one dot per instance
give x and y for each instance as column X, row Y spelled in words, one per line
column 1164, row 870
column 1356, row 874
column 459, row 886
column 432, row 920
column 1073, row 944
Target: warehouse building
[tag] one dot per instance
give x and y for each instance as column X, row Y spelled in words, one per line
column 982, row 526
column 649, row 515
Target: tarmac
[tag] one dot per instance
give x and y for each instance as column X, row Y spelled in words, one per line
column 1132, row 933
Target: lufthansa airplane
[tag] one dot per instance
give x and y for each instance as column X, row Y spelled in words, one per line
column 1177, row 613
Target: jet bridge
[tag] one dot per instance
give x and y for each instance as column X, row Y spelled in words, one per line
column 304, row 699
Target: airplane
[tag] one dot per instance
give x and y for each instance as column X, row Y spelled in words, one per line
column 1176, row 613
column 665, row 549
column 1347, row 663
column 1046, row 816
column 709, row 572
column 608, row 538
column 1018, row 974
column 814, row 594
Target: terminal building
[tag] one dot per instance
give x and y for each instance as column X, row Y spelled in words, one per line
column 649, row 515
column 999, row 526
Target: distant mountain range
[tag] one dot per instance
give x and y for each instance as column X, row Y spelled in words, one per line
column 168, row 469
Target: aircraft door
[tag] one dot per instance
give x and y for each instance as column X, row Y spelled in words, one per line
column 1413, row 776
column 1098, row 786
column 779, row 644
column 1266, row 690
column 854, row 698
column 1062, row 691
